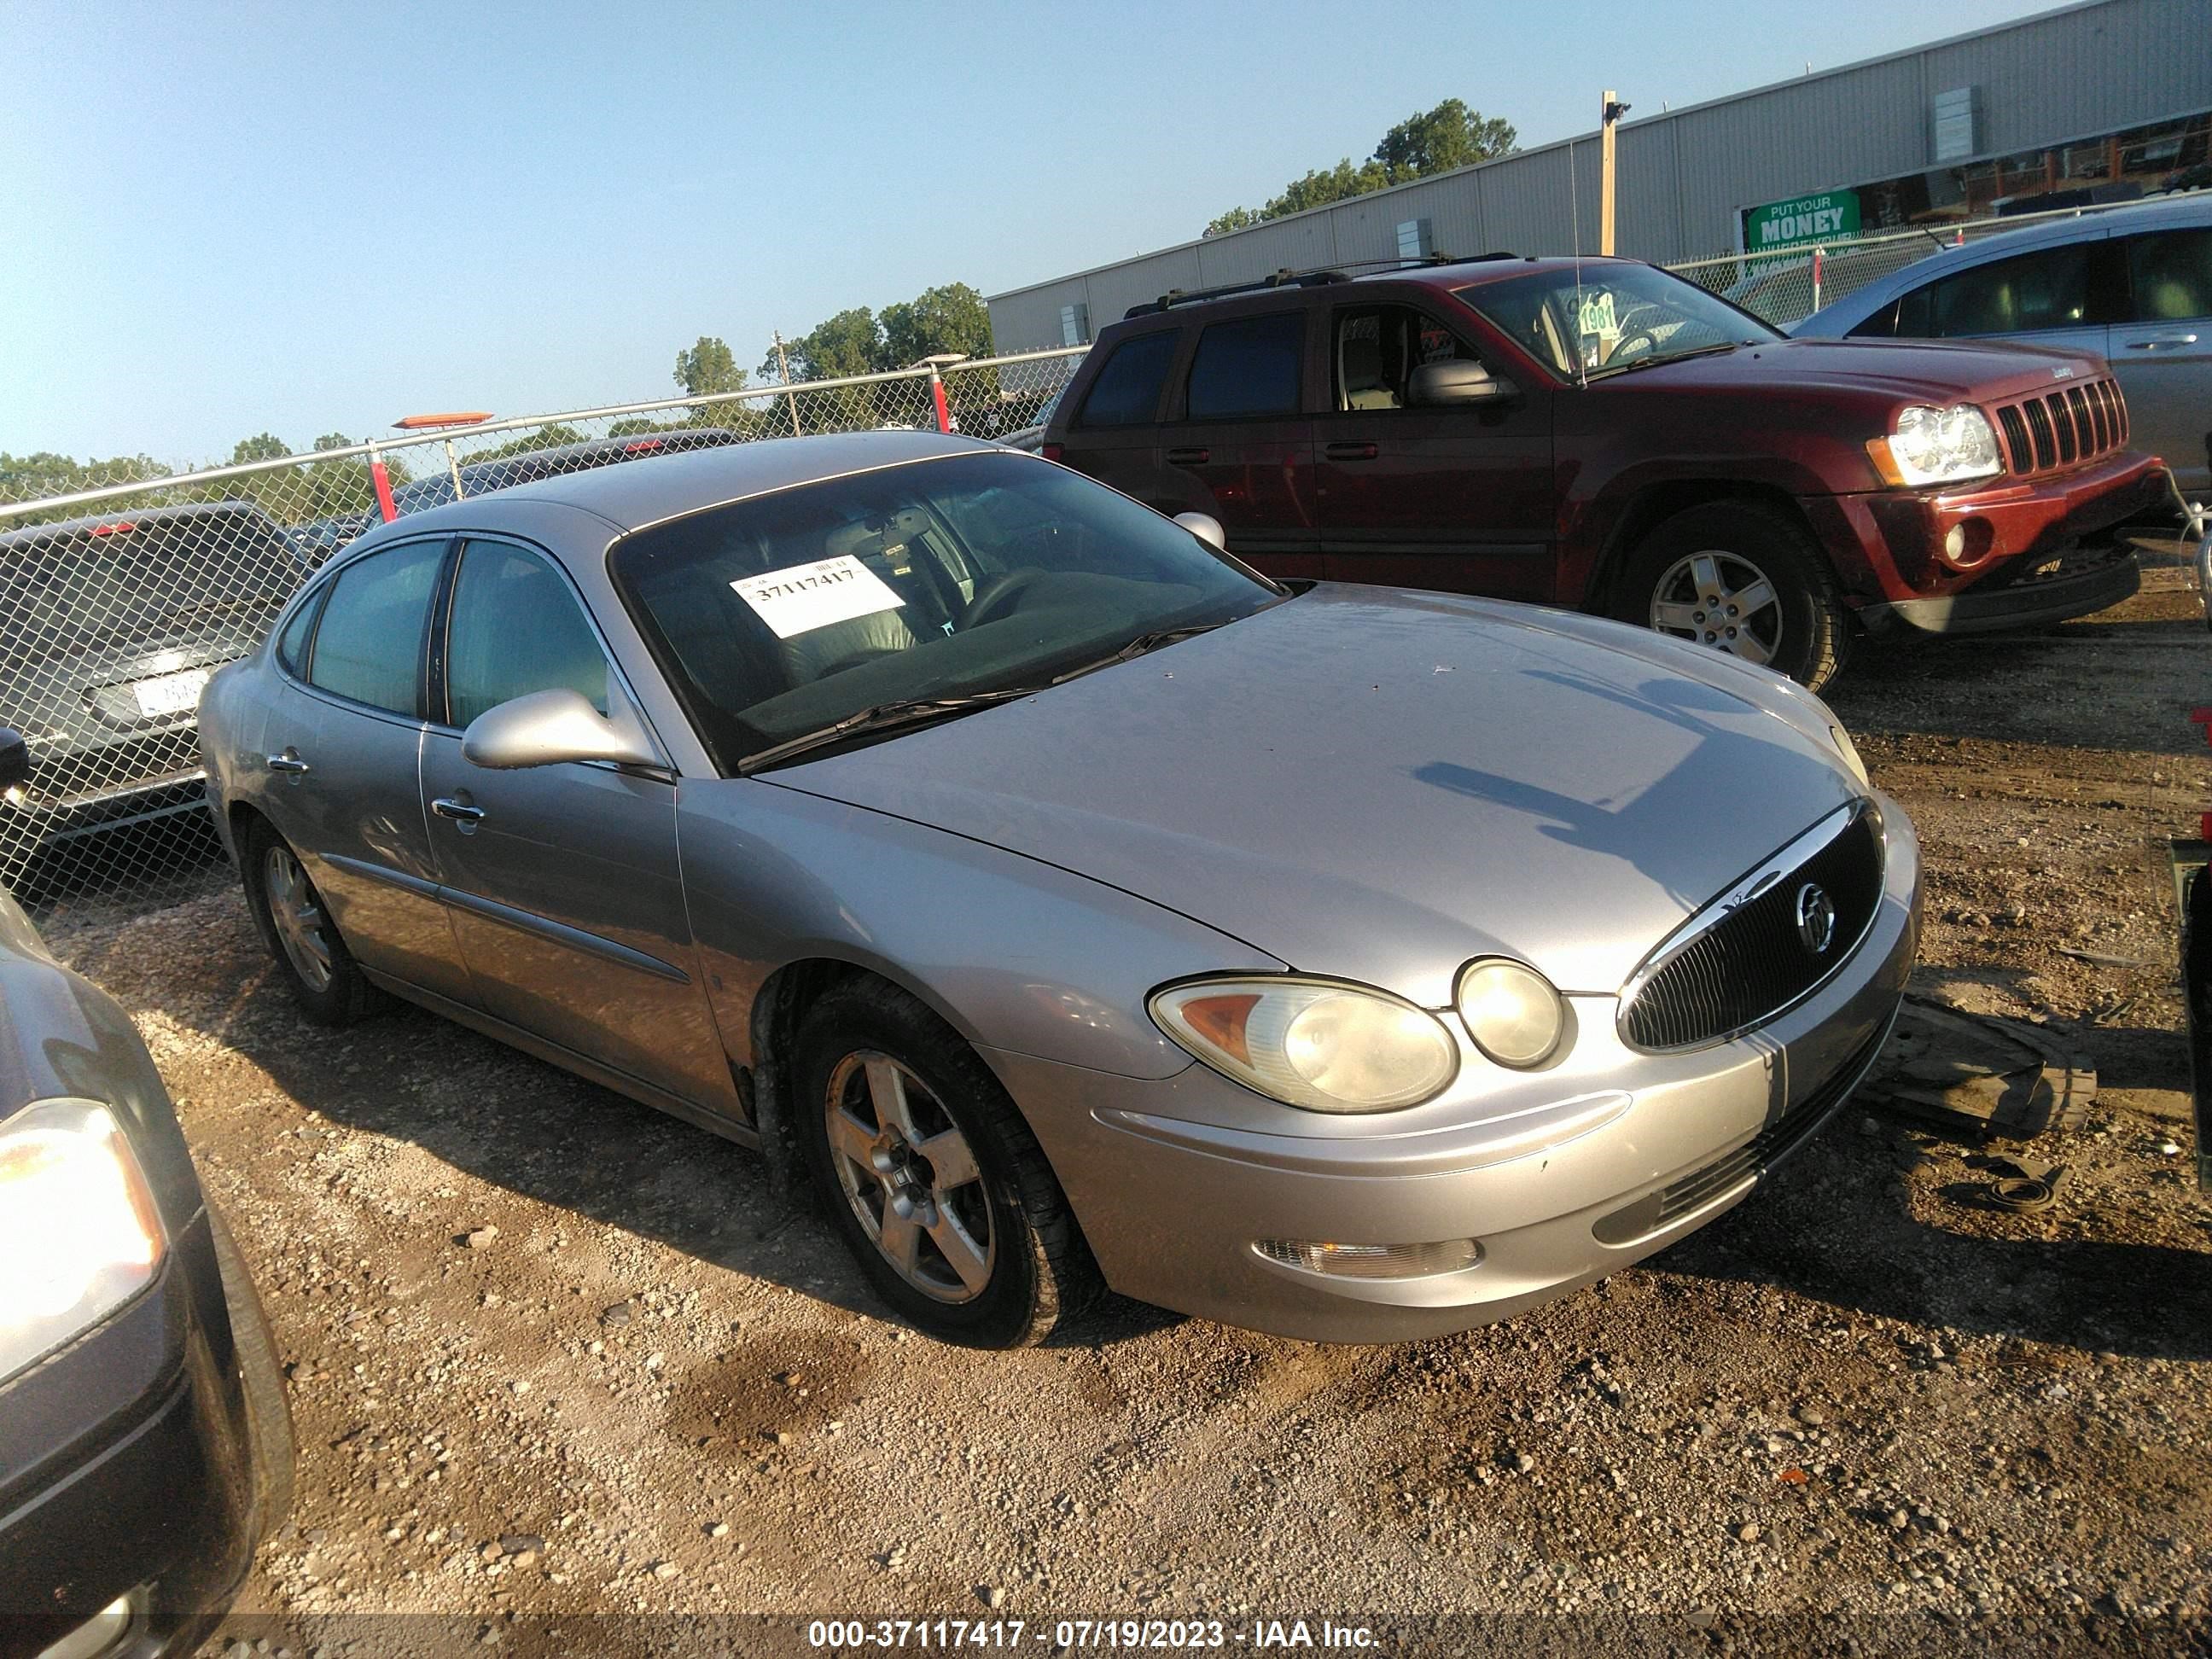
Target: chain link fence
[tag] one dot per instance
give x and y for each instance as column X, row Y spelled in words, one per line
column 123, row 589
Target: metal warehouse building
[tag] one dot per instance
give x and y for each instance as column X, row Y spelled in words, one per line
column 2093, row 102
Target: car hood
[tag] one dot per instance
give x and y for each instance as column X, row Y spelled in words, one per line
column 1926, row 370
column 1378, row 784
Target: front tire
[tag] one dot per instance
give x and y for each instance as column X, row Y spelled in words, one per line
column 261, row 1379
column 928, row 1170
column 325, row 980
column 1741, row 577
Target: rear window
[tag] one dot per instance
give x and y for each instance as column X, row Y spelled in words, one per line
column 368, row 646
column 2049, row 289
column 2171, row 274
column 1248, row 367
column 1127, row 389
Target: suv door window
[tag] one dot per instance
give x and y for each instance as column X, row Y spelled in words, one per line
column 2169, row 273
column 1249, row 367
column 1378, row 348
column 1127, row 389
column 516, row 628
column 2046, row 289
column 368, row 646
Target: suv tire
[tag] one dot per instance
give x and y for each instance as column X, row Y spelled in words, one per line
column 1682, row 579
column 898, row 1081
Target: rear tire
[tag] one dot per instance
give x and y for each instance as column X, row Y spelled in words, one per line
column 326, row 981
column 1683, row 579
column 928, row 1148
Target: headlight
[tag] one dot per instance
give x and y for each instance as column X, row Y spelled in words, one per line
column 1942, row 445
column 1850, row 753
column 79, row 1235
column 1316, row 1043
column 1511, row 1011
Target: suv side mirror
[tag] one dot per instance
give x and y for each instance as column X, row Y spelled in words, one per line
column 14, row 759
column 1456, row 382
column 548, row 727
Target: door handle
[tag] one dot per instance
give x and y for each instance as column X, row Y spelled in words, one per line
column 1352, row 451
column 2162, row 340
column 460, row 812
column 289, row 761
column 1190, row 457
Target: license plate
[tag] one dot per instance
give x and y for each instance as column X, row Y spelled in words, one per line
column 170, row 694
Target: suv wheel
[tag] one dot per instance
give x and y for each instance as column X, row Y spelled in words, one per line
column 928, row 1170
column 296, row 926
column 1742, row 578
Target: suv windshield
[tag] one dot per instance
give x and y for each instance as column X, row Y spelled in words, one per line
column 778, row 616
column 1612, row 317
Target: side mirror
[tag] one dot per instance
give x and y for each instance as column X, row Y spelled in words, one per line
column 1456, row 382
column 1206, row 528
column 547, row 727
column 14, row 759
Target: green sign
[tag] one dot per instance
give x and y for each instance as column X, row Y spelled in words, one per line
column 1801, row 222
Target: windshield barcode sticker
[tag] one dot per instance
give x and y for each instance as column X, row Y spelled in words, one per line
column 802, row 597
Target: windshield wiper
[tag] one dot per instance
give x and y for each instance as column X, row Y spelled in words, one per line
column 1671, row 357
column 884, row 716
column 1139, row 645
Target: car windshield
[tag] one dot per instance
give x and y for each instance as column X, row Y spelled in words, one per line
column 1612, row 317
column 780, row 615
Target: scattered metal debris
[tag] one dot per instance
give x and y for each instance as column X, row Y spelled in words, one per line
column 1979, row 1073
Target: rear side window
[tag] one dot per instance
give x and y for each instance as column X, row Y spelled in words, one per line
column 291, row 648
column 370, row 644
column 1248, row 367
column 2171, row 275
column 517, row 628
column 1127, row 389
column 2048, row 288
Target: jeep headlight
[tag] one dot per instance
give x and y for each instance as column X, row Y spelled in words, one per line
column 1321, row 1044
column 78, row 1231
column 1942, row 445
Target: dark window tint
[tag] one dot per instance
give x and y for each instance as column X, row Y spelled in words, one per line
column 1249, row 367
column 370, row 644
column 2049, row 289
column 517, row 628
column 1879, row 327
column 1128, row 388
column 2170, row 273
column 1379, row 347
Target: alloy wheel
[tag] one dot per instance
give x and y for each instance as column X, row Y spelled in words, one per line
column 910, row 1176
column 1721, row 600
column 297, row 911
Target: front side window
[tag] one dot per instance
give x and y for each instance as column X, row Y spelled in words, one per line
column 1379, row 347
column 777, row 617
column 2049, row 289
column 368, row 646
column 1248, row 367
column 2170, row 273
column 1611, row 316
column 516, row 628
column 1127, row 389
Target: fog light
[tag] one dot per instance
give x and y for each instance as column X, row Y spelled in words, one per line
column 1968, row 542
column 1372, row 1261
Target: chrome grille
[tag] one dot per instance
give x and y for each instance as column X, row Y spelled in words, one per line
column 1741, row 960
column 2058, row 428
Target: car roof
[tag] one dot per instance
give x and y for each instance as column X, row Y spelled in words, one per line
column 657, row 487
column 229, row 508
column 1317, row 286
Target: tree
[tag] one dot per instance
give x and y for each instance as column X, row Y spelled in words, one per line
column 262, row 446
column 1450, row 136
column 949, row 317
column 330, row 440
column 1340, row 184
column 850, row 343
column 1240, row 218
column 707, row 367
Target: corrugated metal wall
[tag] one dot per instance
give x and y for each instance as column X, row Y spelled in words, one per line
column 1685, row 175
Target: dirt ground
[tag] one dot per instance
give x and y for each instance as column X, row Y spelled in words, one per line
column 657, row 1390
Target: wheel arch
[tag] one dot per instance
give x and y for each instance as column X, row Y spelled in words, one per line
column 1654, row 503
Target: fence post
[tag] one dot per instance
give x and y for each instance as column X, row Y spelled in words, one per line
column 937, row 394
column 789, row 397
column 1817, row 252
column 453, row 467
column 378, row 476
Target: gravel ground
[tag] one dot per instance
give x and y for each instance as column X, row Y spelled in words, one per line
column 552, row 1354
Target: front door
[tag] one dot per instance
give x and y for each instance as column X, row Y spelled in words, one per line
column 1456, row 498
column 562, row 881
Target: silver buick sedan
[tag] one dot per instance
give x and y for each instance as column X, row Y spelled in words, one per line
column 1069, row 902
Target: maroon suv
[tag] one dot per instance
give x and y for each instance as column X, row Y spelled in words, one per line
column 1603, row 434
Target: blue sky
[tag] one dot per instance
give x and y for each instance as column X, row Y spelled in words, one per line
column 308, row 217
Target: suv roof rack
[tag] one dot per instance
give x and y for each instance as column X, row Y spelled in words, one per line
column 1316, row 277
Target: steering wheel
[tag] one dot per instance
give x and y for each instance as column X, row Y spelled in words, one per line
column 1623, row 348
column 995, row 596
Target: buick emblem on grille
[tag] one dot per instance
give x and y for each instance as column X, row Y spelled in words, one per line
column 1816, row 918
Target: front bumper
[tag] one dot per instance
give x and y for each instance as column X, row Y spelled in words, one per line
column 2081, row 587
column 1172, row 1206
column 126, row 1472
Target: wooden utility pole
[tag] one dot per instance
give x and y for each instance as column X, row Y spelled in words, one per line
column 783, row 363
column 1612, row 111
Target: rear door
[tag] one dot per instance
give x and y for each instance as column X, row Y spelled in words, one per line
column 1458, row 498
column 2063, row 297
column 2162, row 349
column 1113, row 433
column 1238, row 441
